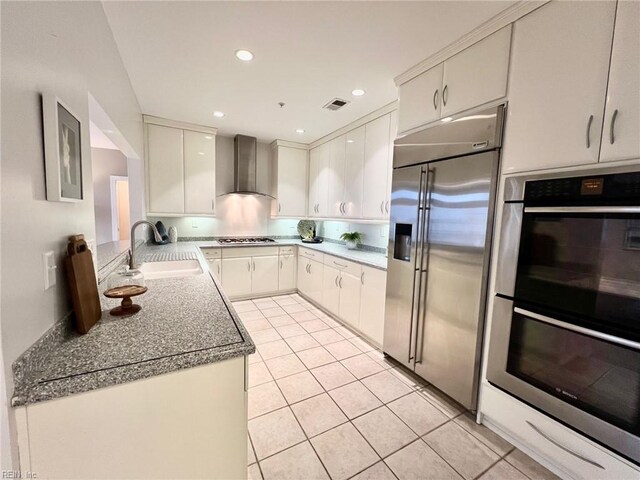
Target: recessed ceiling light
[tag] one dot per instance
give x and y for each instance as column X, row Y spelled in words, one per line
column 244, row 55
column 200, row 153
column 350, row 141
column 358, row 92
column 300, row 130
column 218, row 114
column 208, row 137
column 446, row 119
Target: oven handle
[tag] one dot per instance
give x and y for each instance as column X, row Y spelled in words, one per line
column 575, row 328
column 559, row 445
column 600, row 209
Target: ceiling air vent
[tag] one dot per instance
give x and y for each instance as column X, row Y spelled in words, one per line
column 335, row 104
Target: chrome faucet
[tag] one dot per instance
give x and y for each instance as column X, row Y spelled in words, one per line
column 156, row 234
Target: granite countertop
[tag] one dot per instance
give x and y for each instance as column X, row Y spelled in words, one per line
column 371, row 258
column 184, row 322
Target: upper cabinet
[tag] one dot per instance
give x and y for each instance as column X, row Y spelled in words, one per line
column 376, row 168
column 474, row 76
column 181, row 166
column 620, row 138
column 165, row 169
column 319, row 160
column 477, row 74
column 420, row 99
column 290, row 170
column 557, row 86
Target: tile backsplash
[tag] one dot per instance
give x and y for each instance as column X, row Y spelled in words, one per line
column 250, row 216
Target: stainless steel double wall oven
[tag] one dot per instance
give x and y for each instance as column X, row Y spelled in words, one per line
column 565, row 334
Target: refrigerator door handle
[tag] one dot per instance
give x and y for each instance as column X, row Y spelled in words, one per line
column 417, row 276
column 424, row 265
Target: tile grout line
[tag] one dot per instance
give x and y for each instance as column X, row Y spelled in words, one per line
column 385, row 368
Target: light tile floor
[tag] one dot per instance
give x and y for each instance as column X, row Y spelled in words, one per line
column 324, row 404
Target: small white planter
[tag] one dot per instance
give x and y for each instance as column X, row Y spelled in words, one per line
column 352, row 245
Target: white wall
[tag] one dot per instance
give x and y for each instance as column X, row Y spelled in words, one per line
column 68, row 48
column 105, row 163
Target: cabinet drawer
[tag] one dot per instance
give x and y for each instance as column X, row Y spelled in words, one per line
column 234, row 252
column 341, row 264
column 290, row 250
column 210, row 252
column 313, row 255
column 551, row 440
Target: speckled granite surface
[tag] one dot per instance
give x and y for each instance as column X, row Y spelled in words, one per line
column 365, row 257
column 184, row 322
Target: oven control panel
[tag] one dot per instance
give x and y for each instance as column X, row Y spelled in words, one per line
column 614, row 189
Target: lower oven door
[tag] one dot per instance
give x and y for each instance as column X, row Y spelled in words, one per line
column 585, row 379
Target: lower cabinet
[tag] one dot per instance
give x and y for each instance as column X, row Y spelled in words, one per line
column 264, row 274
column 310, row 278
column 215, row 267
column 287, row 274
column 236, row 276
column 331, row 290
column 372, row 300
column 350, row 292
column 147, row 429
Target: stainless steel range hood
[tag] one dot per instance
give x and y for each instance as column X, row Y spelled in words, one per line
column 245, row 166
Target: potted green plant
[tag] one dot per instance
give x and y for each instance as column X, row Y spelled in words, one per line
column 353, row 239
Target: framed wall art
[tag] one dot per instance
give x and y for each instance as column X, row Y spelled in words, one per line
column 62, row 152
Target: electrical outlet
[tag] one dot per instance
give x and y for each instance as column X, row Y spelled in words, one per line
column 50, row 267
column 383, row 231
column 194, row 223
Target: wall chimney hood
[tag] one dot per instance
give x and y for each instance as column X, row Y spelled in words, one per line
column 245, row 166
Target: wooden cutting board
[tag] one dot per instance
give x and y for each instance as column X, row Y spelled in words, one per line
column 82, row 283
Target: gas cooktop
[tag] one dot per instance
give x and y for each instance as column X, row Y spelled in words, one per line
column 245, row 240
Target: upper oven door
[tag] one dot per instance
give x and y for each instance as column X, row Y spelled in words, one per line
column 583, row 263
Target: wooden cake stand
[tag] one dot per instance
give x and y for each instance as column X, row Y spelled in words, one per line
column 127, row 307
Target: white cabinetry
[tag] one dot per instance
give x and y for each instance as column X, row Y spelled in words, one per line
column 287, row 274
column 336, row 176
column 318, row 180
column 376, row 168
column 473, row 77
column 354, row 172
column 214, row 261
column 331, row 290
column 350, row 286
column 199, row 173
column 147, row 429
column 419, row 99
column 310, row 274
column 180, row 165
column 165, row 169
column 236, row 276
column 264, row 274
column 476, row 75
column 250, row 271
column 374, row 285
column 557, row 85
column 620, row 138
column 290, row 167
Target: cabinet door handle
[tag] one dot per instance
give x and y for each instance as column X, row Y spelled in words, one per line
column 386, row 206
column 557, row 444
column 340, row 282
column 336, row 280
column 218, row 269
column 435, row 99
column 248, row 266
column 280, row 264
column 339, row 264
column 309, row 269
column 444, row 95
column 612, row 127
column 382, row 207
column 362, row 278
column 279, row 207
column 589, row 131
column 213, row 205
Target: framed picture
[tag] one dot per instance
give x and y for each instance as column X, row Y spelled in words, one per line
column 62, row 152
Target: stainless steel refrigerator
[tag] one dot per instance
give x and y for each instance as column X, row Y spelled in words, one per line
column 442, row 204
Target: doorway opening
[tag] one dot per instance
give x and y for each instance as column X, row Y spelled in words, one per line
column 120, row 216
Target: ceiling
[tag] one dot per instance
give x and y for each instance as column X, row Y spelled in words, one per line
column 180, row 58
